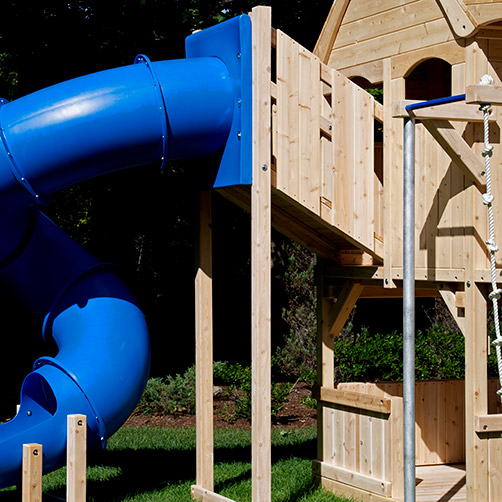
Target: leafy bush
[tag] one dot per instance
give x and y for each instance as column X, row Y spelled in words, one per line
column 377, row 357
column 299, row 352
column 173, row 394
column 238, row 379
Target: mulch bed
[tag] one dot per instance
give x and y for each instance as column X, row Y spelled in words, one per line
column 294, row 415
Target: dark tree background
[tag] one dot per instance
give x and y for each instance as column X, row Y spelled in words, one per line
column 140, row 219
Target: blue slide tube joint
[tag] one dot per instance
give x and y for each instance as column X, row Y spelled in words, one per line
column 231, row 42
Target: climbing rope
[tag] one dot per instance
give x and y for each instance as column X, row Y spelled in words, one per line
column 488, row 198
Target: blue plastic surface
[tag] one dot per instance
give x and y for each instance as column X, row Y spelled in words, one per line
column 235, row 52
column 134, row 115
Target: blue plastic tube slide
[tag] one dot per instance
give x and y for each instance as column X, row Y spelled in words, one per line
column 53, row 138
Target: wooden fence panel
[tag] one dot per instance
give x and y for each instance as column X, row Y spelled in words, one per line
column 288, row 115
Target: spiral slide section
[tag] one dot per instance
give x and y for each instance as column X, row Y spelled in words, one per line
column 73, row 131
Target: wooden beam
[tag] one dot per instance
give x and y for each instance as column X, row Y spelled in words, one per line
column 204, row 349
column 478, row 93
column 461, row 22
column 199, row 493
column 330, row 29
column 488, row 423
column 352, row 478
column 76, row 458
column 449, row 111
column 32, row 473
column 476, row 387
column 343, row 307
column 353, row 399
column 457, row 149
column 450, row 299
column 261, row 227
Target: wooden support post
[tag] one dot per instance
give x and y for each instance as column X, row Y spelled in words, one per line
column 32, row 473
column 476, row 448
column 76, row 458
column 204, row 349
column 260, row 256
column 331, row 319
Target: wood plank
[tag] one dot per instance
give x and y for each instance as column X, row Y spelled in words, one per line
column 462, row 23
column 406, row 41
column 343, row 142
column 475, row 377
column 444, row 232
column 451, row 51
column 449, row 297
column 449, row 111
column 494, row 463
column 330, row 30
column 440, row 440
column 343, row 307
column 348, row 491
column 380, row 438
column 485, row 13
column 204, row 349
column 457, row 149
column 205, row 495
column 380, row 487
column 441, row 483
column 396, row 447
column 260, row 257
column 455, row 428
column 337, row 454
column 372, row 71
column 484, row 94
column 488, row 423
column 364, row 194
column 364, row 444
column 421, row 450
column 288, row 122
column 310, row 107
column 387, row 21
column 76, row 458
column 395, row 182
column 31, row 486
column 354, row 399
column 350, row 440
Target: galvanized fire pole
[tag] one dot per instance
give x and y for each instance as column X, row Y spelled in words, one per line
column 409, row 308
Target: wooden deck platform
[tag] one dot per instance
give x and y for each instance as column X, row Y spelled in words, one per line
column 440, row 483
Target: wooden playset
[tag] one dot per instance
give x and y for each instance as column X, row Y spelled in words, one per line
column 324, row 176
column 328, row 168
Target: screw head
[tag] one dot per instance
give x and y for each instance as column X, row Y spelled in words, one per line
column 264, row 167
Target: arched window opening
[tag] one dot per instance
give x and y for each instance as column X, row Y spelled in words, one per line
column 430, row 79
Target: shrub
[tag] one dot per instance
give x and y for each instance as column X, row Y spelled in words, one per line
column 173, row 394
column 299, row 352
column 238, row 379
column 377, row 357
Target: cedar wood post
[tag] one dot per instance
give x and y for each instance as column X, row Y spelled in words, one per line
column 204, row 349
column 260, row 256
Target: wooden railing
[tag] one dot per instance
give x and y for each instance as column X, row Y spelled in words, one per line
column 361, row 436
column 323, row 144
column 362, row 430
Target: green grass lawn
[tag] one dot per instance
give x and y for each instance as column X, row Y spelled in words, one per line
column 150, row 464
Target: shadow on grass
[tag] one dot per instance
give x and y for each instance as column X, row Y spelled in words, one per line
column 152, row 470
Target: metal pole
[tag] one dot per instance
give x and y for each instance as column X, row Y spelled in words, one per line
column 409, row 308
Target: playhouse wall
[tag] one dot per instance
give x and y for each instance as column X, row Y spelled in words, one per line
column 440, row 428
column 383, row 45
column 372, row 31
column 323, row 145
